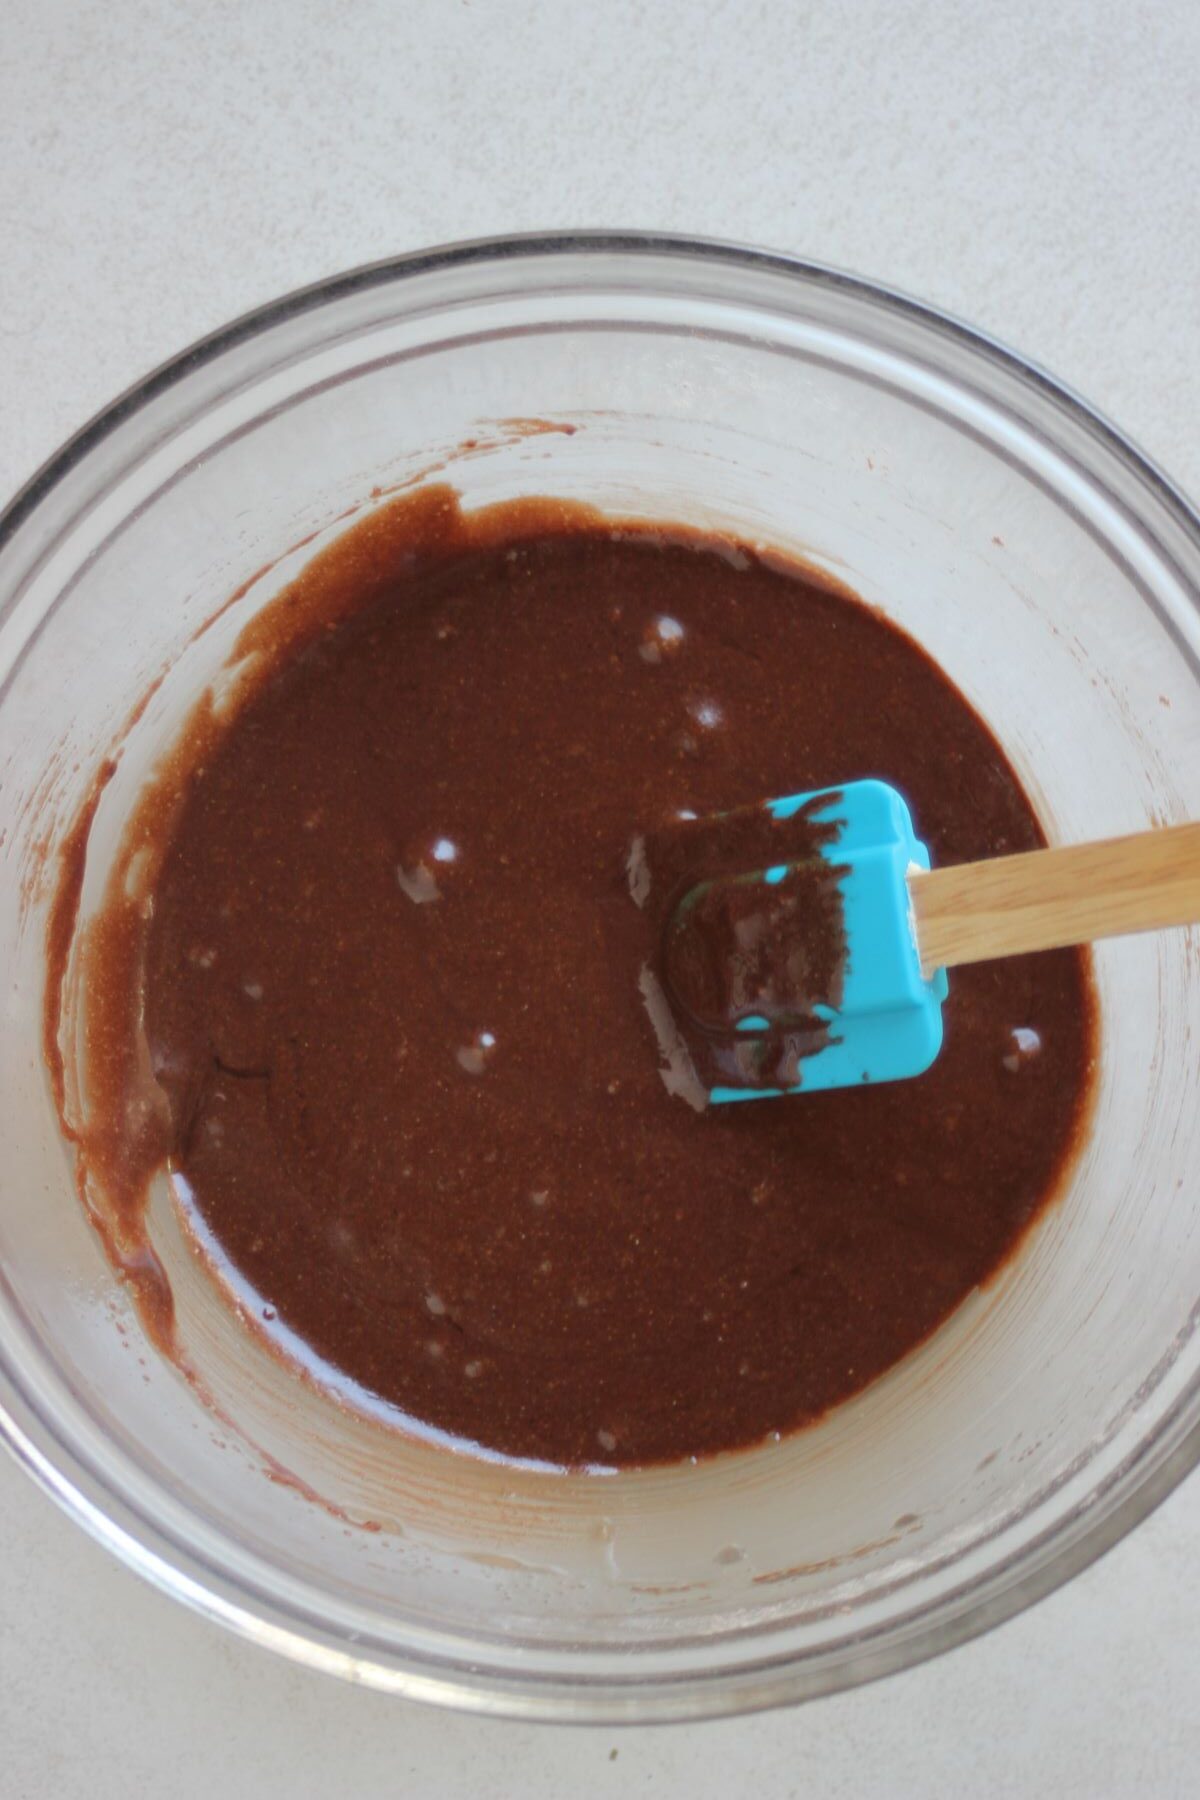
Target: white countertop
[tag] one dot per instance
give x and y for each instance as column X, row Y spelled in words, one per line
column 1032, row 167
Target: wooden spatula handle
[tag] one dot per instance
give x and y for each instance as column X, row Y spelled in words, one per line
column 1045, row 898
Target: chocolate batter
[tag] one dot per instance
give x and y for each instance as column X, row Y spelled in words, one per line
column 744, row 965
column 390, row 985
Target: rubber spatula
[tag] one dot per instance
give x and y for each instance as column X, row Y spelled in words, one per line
column 828, row 968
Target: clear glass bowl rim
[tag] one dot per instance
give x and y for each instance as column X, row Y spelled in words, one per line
column 114, row 1519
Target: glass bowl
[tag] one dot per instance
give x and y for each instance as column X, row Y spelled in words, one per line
column 1051, row 570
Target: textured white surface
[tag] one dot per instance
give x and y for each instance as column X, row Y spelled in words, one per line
column 164, row 166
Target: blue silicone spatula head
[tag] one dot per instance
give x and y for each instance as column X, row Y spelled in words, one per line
column 801, row 972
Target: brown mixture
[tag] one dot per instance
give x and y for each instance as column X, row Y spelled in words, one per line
column 730, row 951
column 391, row 991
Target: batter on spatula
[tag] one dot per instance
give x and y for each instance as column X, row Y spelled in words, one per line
column 393, row 992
